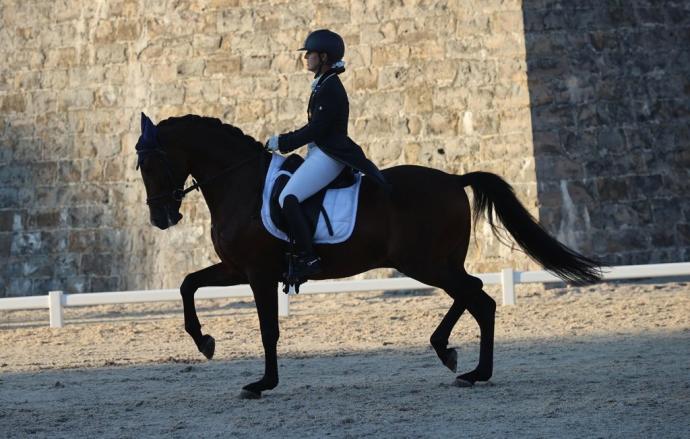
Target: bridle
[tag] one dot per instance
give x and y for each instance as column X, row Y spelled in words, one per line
column 178, row 193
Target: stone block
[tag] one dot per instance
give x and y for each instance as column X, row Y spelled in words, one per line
column 104, row 283
column 115, row 30
column 250, row 110
column 14, row 103
column 68, row 284
column 442, row 124
column 168, row 94
column 191, row 67
column 373, row 126
column 45, row 219
column 124, row 8
column 107, row 97
column 436, row 28
column 385, row 153
column 331, row 14
column 509, row 21
column 414, row 125
column 111, row 53
column 367, row 11
column 358, row 56
column 427, row 51
column 665, row 237
column 97, row 264
column 365, row 79
column 8, row 219
column 61, row 58
column 80, row 241
column 286, row 63
column 389, row 55
column 5, row 244
column 255, row 64
column 66, row 264
column 18, row 286
column 683, row 233
column 236, row 20
column 114, row 171
column 202, row 91
column 86, row 217
column 111, row 238
column 27, row 80
column 75, row 99
column 24, row 244
column 393, row 77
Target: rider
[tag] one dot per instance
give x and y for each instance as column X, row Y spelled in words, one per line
column 330, row 150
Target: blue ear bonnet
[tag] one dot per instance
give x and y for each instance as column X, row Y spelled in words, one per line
column 149, row 135
column 148, row 140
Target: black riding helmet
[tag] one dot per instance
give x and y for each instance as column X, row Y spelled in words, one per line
column 325, row 41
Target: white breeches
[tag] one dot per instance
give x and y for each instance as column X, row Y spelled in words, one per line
column 313, row 175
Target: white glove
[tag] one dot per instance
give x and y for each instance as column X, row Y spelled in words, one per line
column 272, row 144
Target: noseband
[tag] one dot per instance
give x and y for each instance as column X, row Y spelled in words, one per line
column 177, row 194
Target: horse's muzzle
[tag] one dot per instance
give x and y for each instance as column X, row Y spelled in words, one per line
column 164, row 218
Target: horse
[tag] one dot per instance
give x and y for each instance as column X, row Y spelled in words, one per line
column 420, row 226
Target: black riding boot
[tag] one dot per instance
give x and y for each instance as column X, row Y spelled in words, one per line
column 306, row 263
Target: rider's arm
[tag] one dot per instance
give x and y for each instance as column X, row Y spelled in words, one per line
column 325, row 108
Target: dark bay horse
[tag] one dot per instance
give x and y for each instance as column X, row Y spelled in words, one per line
column 421, row 228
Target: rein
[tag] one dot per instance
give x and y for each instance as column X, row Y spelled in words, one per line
column 179, row 193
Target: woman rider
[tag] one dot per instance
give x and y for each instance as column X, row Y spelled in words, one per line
column 330, row 149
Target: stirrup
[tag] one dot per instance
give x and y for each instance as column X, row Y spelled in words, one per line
column 300, row 267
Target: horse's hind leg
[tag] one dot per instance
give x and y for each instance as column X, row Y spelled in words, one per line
column 467, row 293
column 458, row 286
column 483, row 309
column 439, row 339
column 215, row 275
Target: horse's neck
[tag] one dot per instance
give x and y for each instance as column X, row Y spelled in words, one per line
column 233, row 191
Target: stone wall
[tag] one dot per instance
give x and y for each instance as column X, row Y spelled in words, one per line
column 438, row 83
column 609, row 86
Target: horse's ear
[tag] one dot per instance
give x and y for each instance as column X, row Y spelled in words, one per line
column 148, row 139
column 146, row 123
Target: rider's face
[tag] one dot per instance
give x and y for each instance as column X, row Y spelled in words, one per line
column 312, row 61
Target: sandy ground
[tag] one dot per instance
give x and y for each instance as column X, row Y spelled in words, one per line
column 612, row 360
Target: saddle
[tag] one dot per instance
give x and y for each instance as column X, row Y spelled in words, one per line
column 312, row 207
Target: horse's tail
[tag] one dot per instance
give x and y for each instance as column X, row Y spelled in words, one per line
column 492, row 193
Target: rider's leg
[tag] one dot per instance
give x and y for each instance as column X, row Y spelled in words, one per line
column 314, row 174
column 299, row 229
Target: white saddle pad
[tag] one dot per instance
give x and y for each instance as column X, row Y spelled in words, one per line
column 340, row 205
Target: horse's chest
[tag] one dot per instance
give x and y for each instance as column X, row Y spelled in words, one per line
column 221, row 243
column 225, row 240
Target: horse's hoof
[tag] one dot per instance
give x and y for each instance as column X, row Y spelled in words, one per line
column 249, row 394
column 208, row 346
column 459, row 382
column 452, row 360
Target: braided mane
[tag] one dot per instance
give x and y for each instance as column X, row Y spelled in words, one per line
column 213, row 123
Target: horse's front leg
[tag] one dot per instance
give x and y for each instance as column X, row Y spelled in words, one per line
column 214, row 276
column 266, row 298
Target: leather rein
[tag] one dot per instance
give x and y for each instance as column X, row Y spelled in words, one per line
column 177, row 194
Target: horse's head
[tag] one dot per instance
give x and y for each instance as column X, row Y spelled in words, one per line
column 164, row 176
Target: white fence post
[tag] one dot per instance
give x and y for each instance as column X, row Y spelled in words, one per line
column 55, row 308
column 508, row 282
column 283, row 303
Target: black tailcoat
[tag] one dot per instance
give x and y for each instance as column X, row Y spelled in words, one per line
column 328, row 112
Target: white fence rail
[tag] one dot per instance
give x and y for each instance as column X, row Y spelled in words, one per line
column 55, row 301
